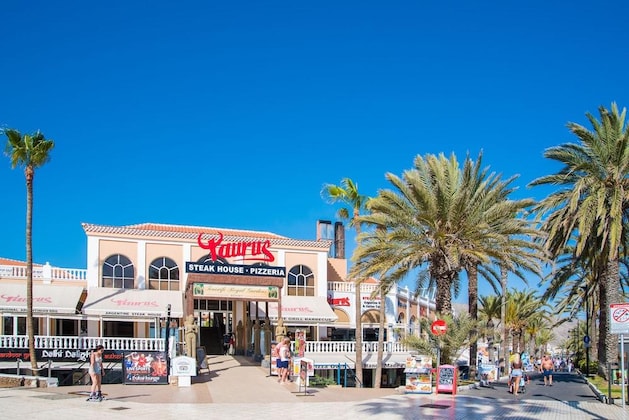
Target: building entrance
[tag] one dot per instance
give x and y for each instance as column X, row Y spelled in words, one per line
column 215, row 320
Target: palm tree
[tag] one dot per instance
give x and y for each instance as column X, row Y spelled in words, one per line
column 31, row 152
column 451, row 345
column 439, row 215
column 522, row 306
column 590, row 208
column 490, row 308
column 347, row 193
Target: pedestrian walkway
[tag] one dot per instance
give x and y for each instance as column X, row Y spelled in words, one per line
column 237, row 389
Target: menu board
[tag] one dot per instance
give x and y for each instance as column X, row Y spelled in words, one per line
column 446, row 379
column 145, row 367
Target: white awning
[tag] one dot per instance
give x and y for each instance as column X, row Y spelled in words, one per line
column 300, row 309
column 133, row 303
column 47, row 299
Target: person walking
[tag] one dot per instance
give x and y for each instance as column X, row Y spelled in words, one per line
column 96, row 373
column 516, row 376
column 284, row 362
column 546, row 368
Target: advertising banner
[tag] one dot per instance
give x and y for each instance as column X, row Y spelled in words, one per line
column 146, row 367
column 56, row 355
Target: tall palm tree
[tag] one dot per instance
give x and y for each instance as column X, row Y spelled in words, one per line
column 490, row 308
column 497, row 217
column 432, row 218
column 504, row 273
column 31, row 152
column 347, row 193
column 521, row 307
column 590, row 207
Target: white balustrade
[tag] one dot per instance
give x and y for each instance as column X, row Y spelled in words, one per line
column 10, row 342
column 56, row 273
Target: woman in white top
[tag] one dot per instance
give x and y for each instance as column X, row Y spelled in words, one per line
column 96, row 373
column 285, row 357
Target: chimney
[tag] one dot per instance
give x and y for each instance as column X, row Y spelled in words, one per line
column 339, row 240
column 324, row 229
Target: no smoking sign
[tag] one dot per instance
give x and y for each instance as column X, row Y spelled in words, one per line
column 619, row 317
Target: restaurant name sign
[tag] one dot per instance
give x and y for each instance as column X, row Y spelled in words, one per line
column 233, row 291
column 235, row 269
column 248, row 250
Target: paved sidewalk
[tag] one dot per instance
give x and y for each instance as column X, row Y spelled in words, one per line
column 235, row 389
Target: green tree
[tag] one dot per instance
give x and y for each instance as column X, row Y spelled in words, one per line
column 439, row 216
column 522, row 306
column 347, row 193
column 30, row 152
column 490, row 309
column 589, row 209
column 460, row 332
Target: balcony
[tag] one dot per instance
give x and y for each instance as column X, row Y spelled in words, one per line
column 44, row 273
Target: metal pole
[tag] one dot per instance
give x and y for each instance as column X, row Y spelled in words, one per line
column 587, row 334
column 167, row 340
column 622, row 367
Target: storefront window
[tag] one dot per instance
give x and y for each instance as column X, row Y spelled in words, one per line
column 118, row 329
column 7, row 325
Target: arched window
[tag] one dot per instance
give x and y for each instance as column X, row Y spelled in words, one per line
column 301, row 281
column 118, row 272
column 207, row 259
column 163, row 274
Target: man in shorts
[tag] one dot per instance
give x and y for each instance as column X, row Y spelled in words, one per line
column 546, row 368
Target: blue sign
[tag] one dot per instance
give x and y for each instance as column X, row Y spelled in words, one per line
column 586, row 339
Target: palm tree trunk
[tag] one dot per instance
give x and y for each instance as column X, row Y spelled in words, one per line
column 358, row 368
column 378, row 377
column 472, row 276
column 503, row 315
column 29, row 172
column 609, row 290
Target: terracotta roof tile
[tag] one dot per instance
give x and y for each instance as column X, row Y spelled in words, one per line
column 9, row 261
column 190, row 233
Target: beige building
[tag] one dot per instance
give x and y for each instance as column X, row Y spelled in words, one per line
column 230, row 281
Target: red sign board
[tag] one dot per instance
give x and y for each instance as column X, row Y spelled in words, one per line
column 248, row 250
column 446, row 379
column 438, row 327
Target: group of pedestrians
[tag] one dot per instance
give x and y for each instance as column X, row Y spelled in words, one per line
column 518, row 377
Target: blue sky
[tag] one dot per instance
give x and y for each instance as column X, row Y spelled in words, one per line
column 234, row 114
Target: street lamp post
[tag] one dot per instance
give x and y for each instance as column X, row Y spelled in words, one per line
column 586, row 339
column 587, row 334
column 167, row 339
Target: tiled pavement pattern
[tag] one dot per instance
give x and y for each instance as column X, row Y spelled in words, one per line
column 236, row 389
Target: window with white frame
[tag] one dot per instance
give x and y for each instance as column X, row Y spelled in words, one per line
column 163, row 274
column 118, row 272
column 301, row 281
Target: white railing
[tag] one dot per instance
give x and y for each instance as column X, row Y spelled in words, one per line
column 348, row 287
column 79, row 343
column 45, row 272
column 10, row 342
column 350, row 347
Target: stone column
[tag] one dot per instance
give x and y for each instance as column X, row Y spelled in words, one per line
column 266, row 332
column 256, row 339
